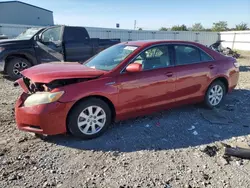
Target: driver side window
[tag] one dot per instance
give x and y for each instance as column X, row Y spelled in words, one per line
column 154, row 58
column 52, row 35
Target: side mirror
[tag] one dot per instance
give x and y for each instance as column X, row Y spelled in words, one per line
column 134, row 67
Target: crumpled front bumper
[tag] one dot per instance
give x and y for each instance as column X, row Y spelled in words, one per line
column 49, row 119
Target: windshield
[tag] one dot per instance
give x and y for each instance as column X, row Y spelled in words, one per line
column 28, row 33
column 111, row 57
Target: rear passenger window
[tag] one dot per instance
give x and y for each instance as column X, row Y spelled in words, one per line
column 205, row 57
column 75, row 34
column 186, row 54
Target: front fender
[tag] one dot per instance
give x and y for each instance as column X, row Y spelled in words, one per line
column 104, row 87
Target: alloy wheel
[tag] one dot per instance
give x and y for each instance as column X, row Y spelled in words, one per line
column 215, row 95
column 19, row 66
column 91, row 120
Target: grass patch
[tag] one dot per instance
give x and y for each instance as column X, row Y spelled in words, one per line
column 243, row 52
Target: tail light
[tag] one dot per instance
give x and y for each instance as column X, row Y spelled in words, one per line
column 236, row 64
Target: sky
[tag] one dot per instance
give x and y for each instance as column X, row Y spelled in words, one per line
column 149, row 14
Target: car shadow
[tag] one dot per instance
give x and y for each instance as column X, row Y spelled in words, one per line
column 182, row 127
column 5, row 76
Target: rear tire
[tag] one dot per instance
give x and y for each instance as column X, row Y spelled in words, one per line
column 15, row 66
column 89, row 119
column 215, row 94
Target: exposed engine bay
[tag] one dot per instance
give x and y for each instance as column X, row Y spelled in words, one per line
column 47, row 87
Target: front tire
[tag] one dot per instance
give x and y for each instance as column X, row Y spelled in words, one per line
column 89, row 119
column 215, row 94
column 15, row 66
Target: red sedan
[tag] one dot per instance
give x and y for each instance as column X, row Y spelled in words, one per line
column 126, row 80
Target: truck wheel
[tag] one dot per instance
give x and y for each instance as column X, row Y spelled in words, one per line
column 89, row 119
column 15, row 66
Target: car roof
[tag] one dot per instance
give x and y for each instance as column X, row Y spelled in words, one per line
column 148, row 43
column 153, row 42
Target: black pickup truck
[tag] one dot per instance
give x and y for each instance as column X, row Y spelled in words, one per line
column 41, row 45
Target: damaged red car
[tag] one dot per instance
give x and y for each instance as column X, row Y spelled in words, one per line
column 124, row 81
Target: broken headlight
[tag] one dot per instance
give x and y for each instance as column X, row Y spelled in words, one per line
column 42, row 98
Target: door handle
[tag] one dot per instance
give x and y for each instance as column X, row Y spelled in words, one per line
column 211, row 66
column 169, row 74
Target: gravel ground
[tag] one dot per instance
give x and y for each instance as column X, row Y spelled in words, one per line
column 164, row 150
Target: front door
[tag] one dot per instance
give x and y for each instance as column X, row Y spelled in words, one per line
column 48, row 46
column 150, row 88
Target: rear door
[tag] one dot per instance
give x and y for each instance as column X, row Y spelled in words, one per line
column 194, row 68
column 77, row 44
column 150, row 88
column 48, row 46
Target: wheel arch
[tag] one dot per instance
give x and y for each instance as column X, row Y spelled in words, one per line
column 19, row 55
column 223, row 79
column 105, row 99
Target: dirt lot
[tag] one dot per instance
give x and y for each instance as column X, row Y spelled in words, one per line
column 159, row 150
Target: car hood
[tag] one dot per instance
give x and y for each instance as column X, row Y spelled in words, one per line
column 48, row 72
column 9, row 42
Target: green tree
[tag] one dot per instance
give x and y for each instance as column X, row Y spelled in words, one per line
column 179, row 28
column 241, row 26
column 197, row 27
column 140, row 29
column 208, row 29
column 220, row 26
column 163, row 29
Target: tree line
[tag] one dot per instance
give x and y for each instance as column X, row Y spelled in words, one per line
column 217, row 27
